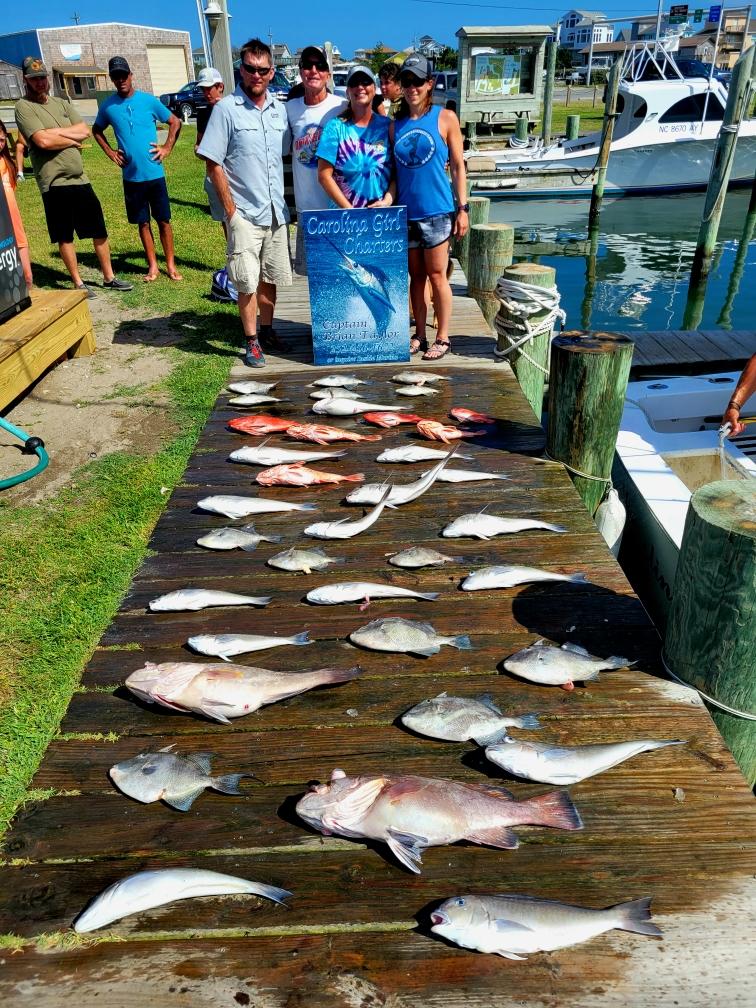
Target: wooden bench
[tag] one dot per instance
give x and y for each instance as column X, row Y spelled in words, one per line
column 57, row 324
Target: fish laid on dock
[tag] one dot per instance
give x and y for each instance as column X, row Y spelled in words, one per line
column 412, row 813
column 371, row 493
column 251, row 387
column 436, row 431
column 338, row 381
column 389, row 418
column 166, row 776
column 420, row 556
column 323, row 434
column 415, row 453
column 259, row 425
column 514, row 926
column 417, row 390
column 467, row 476
column 363, row 591
column 348, row 407
column 401, row 636
column 193, row 599
column 560, row 666
column 263, row 456
column 222, row 692
column 463, row 415
column 297, row 474
column 509, row 575
column 333, row 393
column 229, row 645
column 245, row 538
column 233, row 506
column 254, row 399
column 459, row 719
column 345, row 529
column 481, row 525
column 304, row 560
column 418, row 377
column 564, row 765
column 148, row 889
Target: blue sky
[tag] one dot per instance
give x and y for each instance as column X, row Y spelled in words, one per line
column 296, row 22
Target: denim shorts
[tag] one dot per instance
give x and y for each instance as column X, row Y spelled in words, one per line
column 147, row 199
column 429, row 232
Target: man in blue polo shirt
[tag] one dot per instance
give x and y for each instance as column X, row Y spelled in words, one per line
column 133, row 116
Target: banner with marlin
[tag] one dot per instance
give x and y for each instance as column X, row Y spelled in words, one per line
column 357, row 272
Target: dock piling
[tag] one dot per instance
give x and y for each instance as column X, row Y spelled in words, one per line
column 548, row 91
column 480, row 207
column 491, row 249
column 610, row 114
column 572, row 126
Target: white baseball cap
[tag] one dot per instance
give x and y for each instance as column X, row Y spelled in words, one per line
column 209, row 76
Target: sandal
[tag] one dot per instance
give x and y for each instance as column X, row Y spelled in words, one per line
column 418, row 343
column 439, row 349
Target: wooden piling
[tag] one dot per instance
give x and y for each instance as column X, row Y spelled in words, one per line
column 711, row 634
column 491, row 248
column 572, row 127
column 548, row 91
column 610, row 114
column 521, row 129
column 480, row 207
column 587, row 384
column 530, row 363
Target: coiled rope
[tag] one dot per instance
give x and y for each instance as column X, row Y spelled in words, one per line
column 520, row 301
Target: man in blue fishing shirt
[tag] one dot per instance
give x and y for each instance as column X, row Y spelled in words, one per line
column 134, row 116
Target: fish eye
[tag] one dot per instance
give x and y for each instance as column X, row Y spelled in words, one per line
column 149, row 768
column 459, row 901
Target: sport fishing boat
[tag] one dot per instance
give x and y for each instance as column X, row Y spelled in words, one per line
column 668, row 446
column 664, row 139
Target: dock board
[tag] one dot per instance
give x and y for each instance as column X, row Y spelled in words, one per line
column 691, row 350
column 676, row 825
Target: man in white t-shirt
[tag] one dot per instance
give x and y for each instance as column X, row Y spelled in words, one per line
column 307, row 116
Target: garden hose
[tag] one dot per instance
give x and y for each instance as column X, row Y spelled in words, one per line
column 32, row 446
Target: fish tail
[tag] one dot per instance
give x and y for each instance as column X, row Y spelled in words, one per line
column 554, row 528
column 579, row 578
column 463, row 642
column 302, row 638
column 229, row 783
column 355, row 478
column 307, row 507
column 370, row 437
column 554, row 809
column 635, row 915
column 529, row 721
column 617, row 661
column 334, row 675
column 268, row 891
column 428, row 596
column 271, row 538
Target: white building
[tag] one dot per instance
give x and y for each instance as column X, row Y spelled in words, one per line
column 577, row 27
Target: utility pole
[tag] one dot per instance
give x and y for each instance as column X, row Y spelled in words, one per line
column 216, row 13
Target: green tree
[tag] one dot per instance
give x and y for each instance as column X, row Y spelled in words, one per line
column 563, row 58
column 447, row 60
column 378, row 55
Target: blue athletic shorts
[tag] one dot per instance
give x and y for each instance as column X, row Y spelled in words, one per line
column 145, row 199
column 430, row 231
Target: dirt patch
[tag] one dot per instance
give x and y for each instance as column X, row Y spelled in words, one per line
column 87, row 407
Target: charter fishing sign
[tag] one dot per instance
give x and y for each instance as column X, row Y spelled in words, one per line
column 357, row 271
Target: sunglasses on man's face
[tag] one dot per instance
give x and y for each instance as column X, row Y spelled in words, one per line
column 409, row 80
column 256, row 71
column 118, row 77
column 314, row 65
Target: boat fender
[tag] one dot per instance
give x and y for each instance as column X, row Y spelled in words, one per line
column 610, row 520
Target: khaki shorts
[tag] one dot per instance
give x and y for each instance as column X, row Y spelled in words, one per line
column 257, row 253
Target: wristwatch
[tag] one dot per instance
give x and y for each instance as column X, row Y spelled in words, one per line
column 464, row 206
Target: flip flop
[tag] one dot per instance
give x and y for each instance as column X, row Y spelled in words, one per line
column 438, row 350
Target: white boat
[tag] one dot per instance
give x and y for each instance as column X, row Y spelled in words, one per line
column 664, row 139
column 668, row 446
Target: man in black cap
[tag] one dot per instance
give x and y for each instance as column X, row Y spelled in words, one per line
column 134, row 116
column 54, row 132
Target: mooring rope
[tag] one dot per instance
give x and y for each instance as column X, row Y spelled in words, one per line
column 706, row 697
column 577, row 472
column 521, row 300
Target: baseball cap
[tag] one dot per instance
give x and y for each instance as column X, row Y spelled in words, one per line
column 313, row 52
column 117, row 64
column 33, row 67
column 418, row 65
column 209, row 76
column 366, row 71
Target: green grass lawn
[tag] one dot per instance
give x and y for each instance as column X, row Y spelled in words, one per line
column 66, row 563
column 591, row 116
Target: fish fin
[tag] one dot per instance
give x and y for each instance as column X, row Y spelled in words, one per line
column 493, row 738
column 249, row 528
column 555, row 753
column 635, row 915
column 407, row 848
column 168, row 747
column 202, row 760
column 184, row 803
column 591, row 676
column 529, row 721
column 511, row 955
column 229, row 783
column 492, row 790
column 570, row 685
column 511, row 927
column 495, row 836
column 210, row 709
column 355, row 805
column 427, row 652
column 463, row 642
column 553, row 809
column 302, row 638
column 250, row 547
column 573, row 648
column 487, row 700
column 355, row 478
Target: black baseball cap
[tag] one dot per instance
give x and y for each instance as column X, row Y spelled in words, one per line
column 117, row 64
column 313, row 52
column 418, row 65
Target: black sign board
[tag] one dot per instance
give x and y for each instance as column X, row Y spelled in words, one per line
column 14, row 296
column 678, row 13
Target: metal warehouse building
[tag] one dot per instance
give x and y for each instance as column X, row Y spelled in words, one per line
column 77, row 56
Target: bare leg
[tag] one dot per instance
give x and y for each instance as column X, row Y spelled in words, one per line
column 436, row 260
column 26, row 263
column 148, row 244
column 102, row 251
column 68, row 255
column 266, row 296
column 418, row 278
column 248, row 315
column 166, row 240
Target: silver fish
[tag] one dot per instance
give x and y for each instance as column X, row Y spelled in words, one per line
column 251, row 387
column 304, row 560
column 515, row 926
column 414, row 453
column 482, row 526
column 335, row 393
column 405, row 637
column 362, row 591
column 338, row 381
column 468, row 476
column 254, row 399
column 416, row 390
column 228, row 645
column 148, row 889
column 411, row 813
column 166, row 776
column 221, row 692
column 263, row 456
column 509, row 575
column 556, row 764
column 233, row 506
column 338, row 407
column 245, row 538
column 345, row 529
column 420, row 556
column 418, row 377
column 192, row 599
column 560, row 666
column 371, row 493
column 457, row 719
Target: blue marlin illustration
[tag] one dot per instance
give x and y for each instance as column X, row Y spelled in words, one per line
column 371, row 284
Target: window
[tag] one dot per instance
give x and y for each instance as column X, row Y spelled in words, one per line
column 91, row 84
column 691, row 109
column 77, row 89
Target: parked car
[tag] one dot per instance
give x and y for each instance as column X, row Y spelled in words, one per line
column 445, row 89
column 339, row 82
column 184, row 103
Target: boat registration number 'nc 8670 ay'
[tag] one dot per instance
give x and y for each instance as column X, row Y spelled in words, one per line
column 680, row 128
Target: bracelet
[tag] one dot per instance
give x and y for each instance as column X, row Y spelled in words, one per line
column 734, row 405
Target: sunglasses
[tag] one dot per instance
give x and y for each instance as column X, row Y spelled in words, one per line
column 120, row 76
column 409, row 80
column 256, row 71
column 314, row 65
column 360, row 82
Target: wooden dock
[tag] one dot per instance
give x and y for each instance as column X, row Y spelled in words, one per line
column 691, row 351
column 676, row 825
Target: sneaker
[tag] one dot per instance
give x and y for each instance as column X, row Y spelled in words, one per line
column 83, row 287
column 253, row 355
column 272, row 341
column 116, row 284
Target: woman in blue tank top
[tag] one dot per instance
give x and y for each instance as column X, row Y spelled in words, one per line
column 424, row 138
